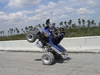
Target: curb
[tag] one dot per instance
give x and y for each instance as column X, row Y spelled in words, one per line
column 43, row 52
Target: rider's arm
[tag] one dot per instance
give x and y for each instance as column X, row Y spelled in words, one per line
column 54, row 34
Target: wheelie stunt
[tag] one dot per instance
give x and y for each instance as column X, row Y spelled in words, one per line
column 49, row 38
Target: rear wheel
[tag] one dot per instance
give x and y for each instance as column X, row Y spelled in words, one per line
column 48, row 58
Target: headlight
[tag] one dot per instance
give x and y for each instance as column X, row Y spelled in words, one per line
column 46, row 35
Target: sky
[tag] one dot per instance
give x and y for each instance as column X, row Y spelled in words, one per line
column 22, row 13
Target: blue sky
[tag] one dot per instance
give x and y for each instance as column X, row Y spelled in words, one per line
column 21, row 13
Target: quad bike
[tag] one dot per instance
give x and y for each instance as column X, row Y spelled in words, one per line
column 44, row 39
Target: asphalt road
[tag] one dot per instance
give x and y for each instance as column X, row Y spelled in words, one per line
column 29, row 63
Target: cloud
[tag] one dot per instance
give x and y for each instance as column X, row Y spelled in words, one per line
column 63, row 16
column 98, row 17
column 69, row 9
column 2, row 1
column 18, row 17
column 51, row 5
column 42, row 11
column 21, row 3
column 93, row 2
column 42, row 7
column 85, row 11
column 2, row 13
column 3, row 16
column 42, row 16
column 90, row 2
column 60, row 10
column 22, row 16
column 65, row 10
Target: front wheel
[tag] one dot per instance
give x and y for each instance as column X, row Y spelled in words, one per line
column 48, row 58
column 31, row 37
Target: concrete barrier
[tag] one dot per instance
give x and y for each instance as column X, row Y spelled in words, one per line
column 18, row 45
column 76, row 44
column 82, row 44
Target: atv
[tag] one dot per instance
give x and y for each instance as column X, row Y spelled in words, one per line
column 45, row 40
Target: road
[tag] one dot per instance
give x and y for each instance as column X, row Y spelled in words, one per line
column 29, row 63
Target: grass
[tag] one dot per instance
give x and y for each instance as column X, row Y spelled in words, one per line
column 76, row 32
column 72, row 32
column 14, row 37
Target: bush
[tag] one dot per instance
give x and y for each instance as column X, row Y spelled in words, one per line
column 71, row 32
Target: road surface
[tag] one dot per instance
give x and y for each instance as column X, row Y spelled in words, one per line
column 29, row 63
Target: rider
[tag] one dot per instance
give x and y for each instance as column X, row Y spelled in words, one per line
column 56, row 38
column 47, row 24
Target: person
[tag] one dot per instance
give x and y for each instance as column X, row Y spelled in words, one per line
column 44, row 37
column 47, row 24
column 56, row 37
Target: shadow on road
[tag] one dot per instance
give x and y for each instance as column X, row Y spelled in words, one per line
column 63, row 60
column 60, row 60
column 37, row 59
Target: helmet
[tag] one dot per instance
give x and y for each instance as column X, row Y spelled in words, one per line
column 61, row 28
column 48, row 25
column 47, row 21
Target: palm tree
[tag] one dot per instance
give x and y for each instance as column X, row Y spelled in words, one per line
column 26, row 28
column 3, row 33
column 83, row 21
column 23, row 31
column 79, row 23
column 53, row 24
column 61, row 23
column 88, row 21
column 30, row 28
column 92, row 22
column 17, row 30
column 70, row 23
column 11, row 31
column 43, row 25
column 66, row 24
column 8, row 33
column 74, row 25
column 39, row 25
column 99, row 23
column 14, row 31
